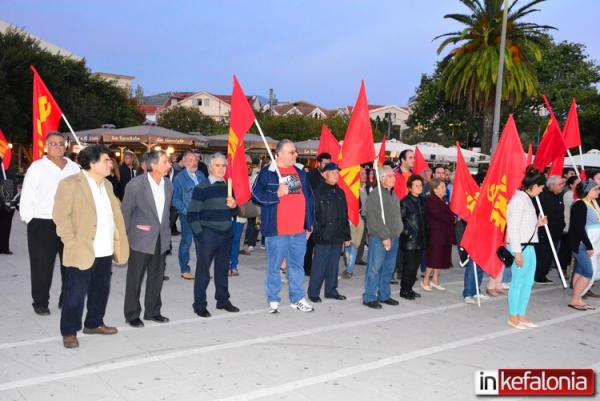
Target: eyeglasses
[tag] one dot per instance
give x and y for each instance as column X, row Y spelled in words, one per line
column 56, row 144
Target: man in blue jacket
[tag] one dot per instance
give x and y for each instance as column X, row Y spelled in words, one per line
column 184, row 184
column 287, row 218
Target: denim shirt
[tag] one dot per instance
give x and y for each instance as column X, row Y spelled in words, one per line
column 183, row 188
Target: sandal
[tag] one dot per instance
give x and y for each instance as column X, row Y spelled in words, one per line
column 578, row 307
column 589, row 307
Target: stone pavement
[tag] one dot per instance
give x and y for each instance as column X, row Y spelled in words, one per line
column 428, row 349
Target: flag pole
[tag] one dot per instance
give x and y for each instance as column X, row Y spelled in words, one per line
column 573, row 163
column 379, row 189
column 581, row 157
column 268, row 148
column 476, row 283
column 560, row 273
column 71, row 129
column 3, row 172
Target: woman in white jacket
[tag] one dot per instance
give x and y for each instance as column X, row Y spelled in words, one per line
column 522, row 224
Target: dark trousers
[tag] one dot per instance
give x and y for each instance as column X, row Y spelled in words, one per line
column 173, row 215
column 43, row 244
column 95, row 282
column 564, row 253
column 544, row 258
column 410, row 266
column 139, row 263
column 215, row 246
column 6, row 217
column 325, row 267
column 251, row 232
column 308, row 256
column 361, row 247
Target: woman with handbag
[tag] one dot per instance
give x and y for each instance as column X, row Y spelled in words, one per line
column 521, row 227
column 584, row 213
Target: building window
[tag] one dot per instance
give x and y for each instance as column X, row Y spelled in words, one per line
column 173, row 102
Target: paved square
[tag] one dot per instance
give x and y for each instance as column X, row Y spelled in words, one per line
column 422, row 350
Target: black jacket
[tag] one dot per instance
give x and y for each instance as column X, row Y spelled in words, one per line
column 554, row 208
column 331, row 213
column 413, row 216
column 577, row 233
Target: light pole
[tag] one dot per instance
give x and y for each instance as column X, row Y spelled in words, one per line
column 496, row 126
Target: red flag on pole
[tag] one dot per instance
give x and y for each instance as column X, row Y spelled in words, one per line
column 571, row 129
column 530, row 154
column 552, row 145
column 420, row 162
column 328, row 143
column 400, row 188
column 241, row 119
column 358, row 148
column 487, row 223
column 465, row 190
column 46, row 114
column 5, row 151
column 381, row 154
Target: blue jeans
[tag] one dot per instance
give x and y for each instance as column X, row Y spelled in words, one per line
column 470, row 290
column 93, row 282
column 184, row 246
column 238, row 228
column 379, row 270
column 583, row 266
column 507, row 274
column 291, row 248
column 350, row 253
column 522, row 281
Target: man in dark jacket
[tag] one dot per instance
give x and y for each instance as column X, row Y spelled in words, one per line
column 331, row 231
column 554, row 207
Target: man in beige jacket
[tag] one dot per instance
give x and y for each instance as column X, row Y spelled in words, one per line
column 90, row 224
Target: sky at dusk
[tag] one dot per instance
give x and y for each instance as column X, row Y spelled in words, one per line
column 312, row 50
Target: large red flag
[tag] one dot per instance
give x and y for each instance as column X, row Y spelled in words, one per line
column 381, row 154
column 557, row 167
column 571, row 128
column 420, row 162
column 328, row 144
column 552, row 145
column 241, row 119
column 358, row 148
column 465, row 190
column 530, row 154
column 5, row 151
column 46, row 114
column 485, row 231
column 400, row 188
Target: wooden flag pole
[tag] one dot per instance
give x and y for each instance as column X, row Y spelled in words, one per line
column 229, row 188
column 268, row 148
column 560, row 272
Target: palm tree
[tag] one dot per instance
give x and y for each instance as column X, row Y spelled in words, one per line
column 471, row 70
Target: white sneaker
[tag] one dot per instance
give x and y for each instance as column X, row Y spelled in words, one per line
column 482, row 296
column 506, row 286
column 273, row 307
column 250, row 249
column 470, row 300
column 302, row 306
column 262, row 247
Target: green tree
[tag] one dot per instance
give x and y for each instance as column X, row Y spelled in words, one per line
column 470, row 76
column 188, row 119
column 86, row 100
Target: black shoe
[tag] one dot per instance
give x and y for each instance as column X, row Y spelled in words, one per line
column 390, row 301
column 373, row 305
column 41, row 310
column 158, row 319
column 9, row 252
column 407, row 295
column 544, row 280
column 360, row 263
column 137, row 322
column 339, row 297
column 169, row 252
column 315, row 299
column 203, row 313
column 165, row 278
column 60, row 301
column 175, row 233
column 415, row 294
column 229, row 307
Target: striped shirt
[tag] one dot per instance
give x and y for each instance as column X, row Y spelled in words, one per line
column 208, row 208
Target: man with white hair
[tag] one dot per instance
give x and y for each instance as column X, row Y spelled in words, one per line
column 552, row 202
column 210, row 215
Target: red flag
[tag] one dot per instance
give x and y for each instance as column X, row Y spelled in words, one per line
column 381, row 154
column 358, row 148
column 530, row 154
column 552, row 145
column 465, row 190
column 557, row 166
column 420, row 163
column 5, row 151
column 328, row 144
column 571, row 128
column 485, row 231
column 241, row 119
column 400, row 188
column 46, row 114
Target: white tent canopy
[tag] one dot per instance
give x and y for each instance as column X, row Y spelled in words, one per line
column 433, row 151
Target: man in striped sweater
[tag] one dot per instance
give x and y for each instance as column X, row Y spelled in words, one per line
column 210, row 215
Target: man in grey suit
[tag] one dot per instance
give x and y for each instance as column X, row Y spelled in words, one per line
column 146, row 212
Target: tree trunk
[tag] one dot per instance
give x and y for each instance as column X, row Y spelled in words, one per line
column 487, row 127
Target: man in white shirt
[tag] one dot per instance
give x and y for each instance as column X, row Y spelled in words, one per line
column 37, row 202
column 90, row 224
column 146, row 212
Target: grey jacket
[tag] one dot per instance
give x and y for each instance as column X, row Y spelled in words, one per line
column 139, row 209
column 393, row 218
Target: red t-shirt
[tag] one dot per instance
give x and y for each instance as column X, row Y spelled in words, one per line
column 291, row 209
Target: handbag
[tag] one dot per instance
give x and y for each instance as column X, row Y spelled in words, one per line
column 248, row 210
column 504, row 254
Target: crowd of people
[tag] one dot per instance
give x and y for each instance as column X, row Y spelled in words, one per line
column 93, row 212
